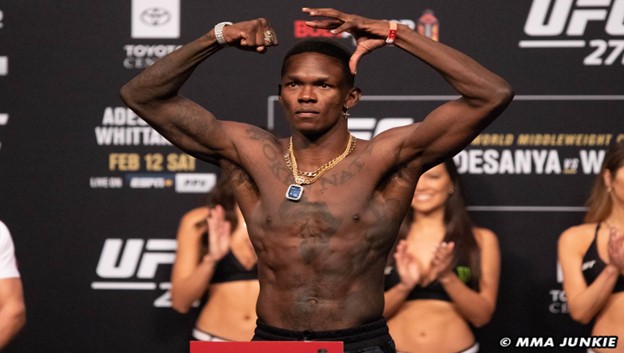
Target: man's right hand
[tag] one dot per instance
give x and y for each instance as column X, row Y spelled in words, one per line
column 369, row 34
column 255, row 35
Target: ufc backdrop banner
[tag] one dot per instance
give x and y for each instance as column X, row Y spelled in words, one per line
column 92, row 195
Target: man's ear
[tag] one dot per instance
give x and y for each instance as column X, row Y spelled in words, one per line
column 353, row 97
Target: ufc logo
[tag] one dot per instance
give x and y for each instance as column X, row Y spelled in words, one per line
column 135, row 259
column 367, row 128
column 132, row 266
column 572, row 16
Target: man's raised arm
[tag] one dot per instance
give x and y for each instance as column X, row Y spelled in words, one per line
column 154, row 93
column 450, row 127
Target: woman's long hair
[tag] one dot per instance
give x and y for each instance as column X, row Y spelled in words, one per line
column 459, row 228
column 599, row 203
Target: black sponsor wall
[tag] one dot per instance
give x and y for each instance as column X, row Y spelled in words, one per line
column 92, row 196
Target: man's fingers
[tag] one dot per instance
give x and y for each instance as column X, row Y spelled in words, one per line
column 259, row 41
column 355, row 58
column 244, row 36
column 326, row 12
column 256, row 35
column 326, row 24
column 360, row 51
column 259, row 37
column 337, row 20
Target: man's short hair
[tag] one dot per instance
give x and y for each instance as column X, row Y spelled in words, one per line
column 327, row 47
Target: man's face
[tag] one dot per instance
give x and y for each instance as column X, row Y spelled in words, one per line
column 314, row 91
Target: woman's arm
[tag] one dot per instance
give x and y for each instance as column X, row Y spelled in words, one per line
column 409, row 273
column 192, row 270
column 584, row 302
column 477, row 307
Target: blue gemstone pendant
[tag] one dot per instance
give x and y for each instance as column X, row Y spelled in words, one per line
column 294, row 192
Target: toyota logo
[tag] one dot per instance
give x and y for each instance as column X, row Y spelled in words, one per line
column 155, row 16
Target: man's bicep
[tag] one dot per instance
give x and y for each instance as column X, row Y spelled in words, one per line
column 447, row 130
column 192, row 128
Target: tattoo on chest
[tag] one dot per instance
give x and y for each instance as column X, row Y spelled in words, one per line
column 271, row 152
column 341, row 177
column 315, row 224
column 277, row 167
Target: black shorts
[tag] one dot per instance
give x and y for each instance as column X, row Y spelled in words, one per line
column 372, row 337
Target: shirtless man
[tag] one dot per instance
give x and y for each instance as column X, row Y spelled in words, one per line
column 322, row 208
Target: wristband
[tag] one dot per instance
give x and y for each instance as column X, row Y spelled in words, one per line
column 392, row 33
column 218, row 32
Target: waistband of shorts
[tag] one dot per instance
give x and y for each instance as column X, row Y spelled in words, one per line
column 374, row 333
column 205, row 336
column 472, row 349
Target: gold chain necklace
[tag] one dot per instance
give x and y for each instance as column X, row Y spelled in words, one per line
column 304, row 178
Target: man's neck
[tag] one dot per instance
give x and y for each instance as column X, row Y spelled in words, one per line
column 311, row 153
